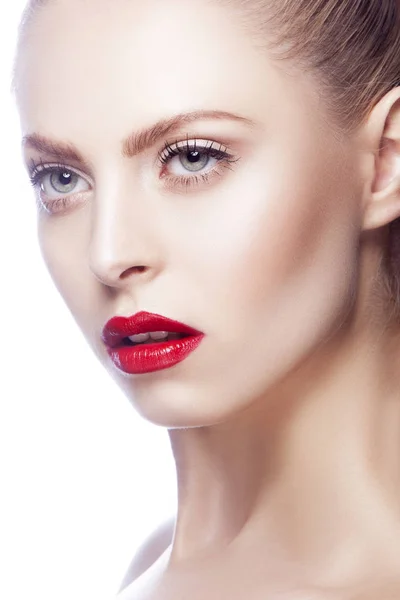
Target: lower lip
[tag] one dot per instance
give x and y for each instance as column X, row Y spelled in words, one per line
column 147, row 358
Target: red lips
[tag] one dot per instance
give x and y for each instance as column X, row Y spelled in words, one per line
column 148, row 357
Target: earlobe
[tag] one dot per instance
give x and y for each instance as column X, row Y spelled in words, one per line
column 383, row 204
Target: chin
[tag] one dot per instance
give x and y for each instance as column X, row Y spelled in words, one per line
column 173, row 404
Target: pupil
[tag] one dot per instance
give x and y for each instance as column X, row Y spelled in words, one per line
column 193, row 156
column 65, row 178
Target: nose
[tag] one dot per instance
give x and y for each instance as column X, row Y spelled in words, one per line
column 124, row 244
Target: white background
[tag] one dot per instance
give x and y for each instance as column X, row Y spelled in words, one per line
column 83, row 479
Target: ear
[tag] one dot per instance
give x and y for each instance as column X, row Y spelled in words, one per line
column 383, row 202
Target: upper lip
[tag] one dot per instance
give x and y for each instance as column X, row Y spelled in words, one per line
column 118, row 328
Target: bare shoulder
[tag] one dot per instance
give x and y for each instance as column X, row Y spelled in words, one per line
column 151, row 549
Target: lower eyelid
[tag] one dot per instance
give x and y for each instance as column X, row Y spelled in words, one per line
column 183, row 184
column 62, row 204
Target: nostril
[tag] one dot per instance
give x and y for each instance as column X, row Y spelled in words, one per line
column 133, row 270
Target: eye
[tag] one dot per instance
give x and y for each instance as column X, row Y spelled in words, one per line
column 56, row 180
column 195, row 160
column 57, row 186
column 197, row 157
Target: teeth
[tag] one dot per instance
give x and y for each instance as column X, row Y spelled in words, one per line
column 158, row 335
column 141, row 337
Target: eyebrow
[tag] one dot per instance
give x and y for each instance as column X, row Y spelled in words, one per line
column 137, row 142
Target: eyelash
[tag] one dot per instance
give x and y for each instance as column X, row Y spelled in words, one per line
column 39, row 171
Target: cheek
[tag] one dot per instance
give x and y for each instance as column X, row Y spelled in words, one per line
column 283, row 243
column 63, row 247
column 276, row 277
column 59, row 257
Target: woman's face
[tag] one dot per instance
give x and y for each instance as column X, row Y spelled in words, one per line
column 253, row 244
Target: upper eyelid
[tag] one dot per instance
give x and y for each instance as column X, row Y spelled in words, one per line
column 190, row 145
column 48, row 166
column 191, row 141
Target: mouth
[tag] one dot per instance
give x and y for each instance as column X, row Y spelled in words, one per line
column 146, row 342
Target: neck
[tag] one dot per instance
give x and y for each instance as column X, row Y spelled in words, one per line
column 311, row 470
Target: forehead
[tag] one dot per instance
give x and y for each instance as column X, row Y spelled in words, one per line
column 91, row 70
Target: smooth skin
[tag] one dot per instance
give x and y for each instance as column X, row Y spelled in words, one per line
column 285, row 422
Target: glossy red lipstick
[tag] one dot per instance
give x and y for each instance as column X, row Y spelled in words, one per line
column 139, row 358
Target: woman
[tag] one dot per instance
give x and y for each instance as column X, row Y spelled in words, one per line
column 218, row 186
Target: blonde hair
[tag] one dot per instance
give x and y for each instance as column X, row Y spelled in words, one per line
column 352, row 47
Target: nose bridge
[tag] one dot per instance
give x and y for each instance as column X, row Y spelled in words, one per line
column 122, row 236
